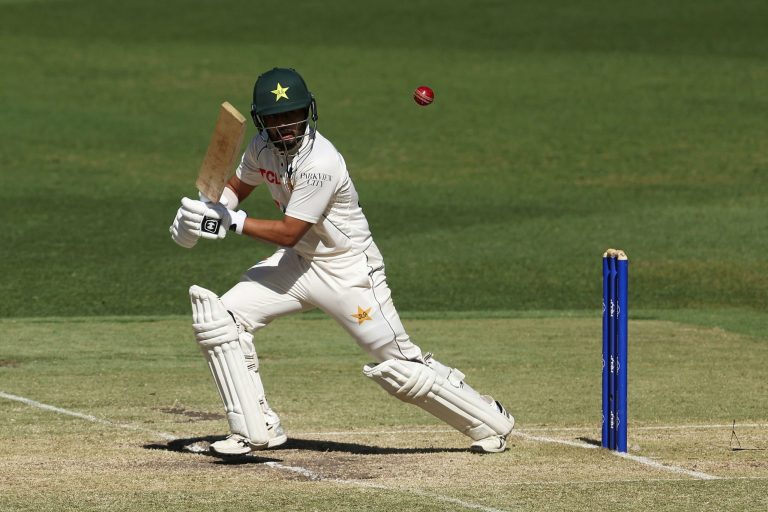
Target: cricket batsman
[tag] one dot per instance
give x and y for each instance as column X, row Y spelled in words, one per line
column 326, row 258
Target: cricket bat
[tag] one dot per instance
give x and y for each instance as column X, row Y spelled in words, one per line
column 222, row 152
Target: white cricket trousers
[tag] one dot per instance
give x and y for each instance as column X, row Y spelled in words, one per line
column 351, row 289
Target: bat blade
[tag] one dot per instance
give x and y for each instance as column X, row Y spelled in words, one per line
column 221, row 153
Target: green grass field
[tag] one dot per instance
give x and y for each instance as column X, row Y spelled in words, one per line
column 559, row 129
column 147, row 393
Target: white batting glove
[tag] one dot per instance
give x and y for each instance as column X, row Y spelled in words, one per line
column 230, row 220
column 181, row 234
column 209, row 220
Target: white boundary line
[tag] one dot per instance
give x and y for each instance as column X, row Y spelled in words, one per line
column 293, row 469
column 164, row 435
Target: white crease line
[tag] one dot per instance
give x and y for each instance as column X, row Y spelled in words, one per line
column 665, row 467
column 542, row 439
column 637, row 458
column 88, row 417
column 648, row 427
column 294, row 469
column 306, row 473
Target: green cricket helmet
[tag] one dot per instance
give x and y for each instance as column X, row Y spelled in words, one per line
column 282, row 90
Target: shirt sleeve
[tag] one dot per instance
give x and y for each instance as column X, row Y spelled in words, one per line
column 248, row 171
column 312, row 194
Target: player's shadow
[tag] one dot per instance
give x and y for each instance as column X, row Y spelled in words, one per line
column 321, row 445
column 199, row 445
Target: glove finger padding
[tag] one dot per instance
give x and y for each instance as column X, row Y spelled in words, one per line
column 191, row 225
column 183, row 238
column 186, row 241
column 181, row 234
column 193, row 206
column 192, row 220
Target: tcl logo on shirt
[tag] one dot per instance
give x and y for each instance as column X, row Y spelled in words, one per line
column 270, row 176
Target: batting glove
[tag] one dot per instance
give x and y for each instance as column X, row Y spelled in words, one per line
column 181, row 234
column 210, row 220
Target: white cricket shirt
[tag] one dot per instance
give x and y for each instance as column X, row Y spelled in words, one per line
column 313, row 186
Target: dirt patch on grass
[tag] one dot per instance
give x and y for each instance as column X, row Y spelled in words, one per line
column 193, row 415
column 9, row 363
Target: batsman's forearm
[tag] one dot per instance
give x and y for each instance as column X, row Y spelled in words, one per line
column 273, row 231
column 239, row 189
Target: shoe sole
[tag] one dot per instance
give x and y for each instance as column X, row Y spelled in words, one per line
column 277, row 441
column 224, row 454
column 481, row 449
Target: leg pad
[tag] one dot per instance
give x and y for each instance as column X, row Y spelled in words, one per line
column 441, row 391
column 217, row 335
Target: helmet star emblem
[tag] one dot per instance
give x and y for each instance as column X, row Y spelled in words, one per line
column 362, row 315
column 280, row 92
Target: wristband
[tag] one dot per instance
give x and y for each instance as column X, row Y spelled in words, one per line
column 229, row 198
column 238, row 221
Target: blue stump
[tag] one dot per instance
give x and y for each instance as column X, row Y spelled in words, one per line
column 615, row 315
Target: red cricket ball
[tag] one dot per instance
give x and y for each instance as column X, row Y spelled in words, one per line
column 423, row 95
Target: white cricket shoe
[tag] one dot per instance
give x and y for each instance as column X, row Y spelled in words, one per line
column 276, row 434
column 490, row 444
column 493, row 444
column 235, row 444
